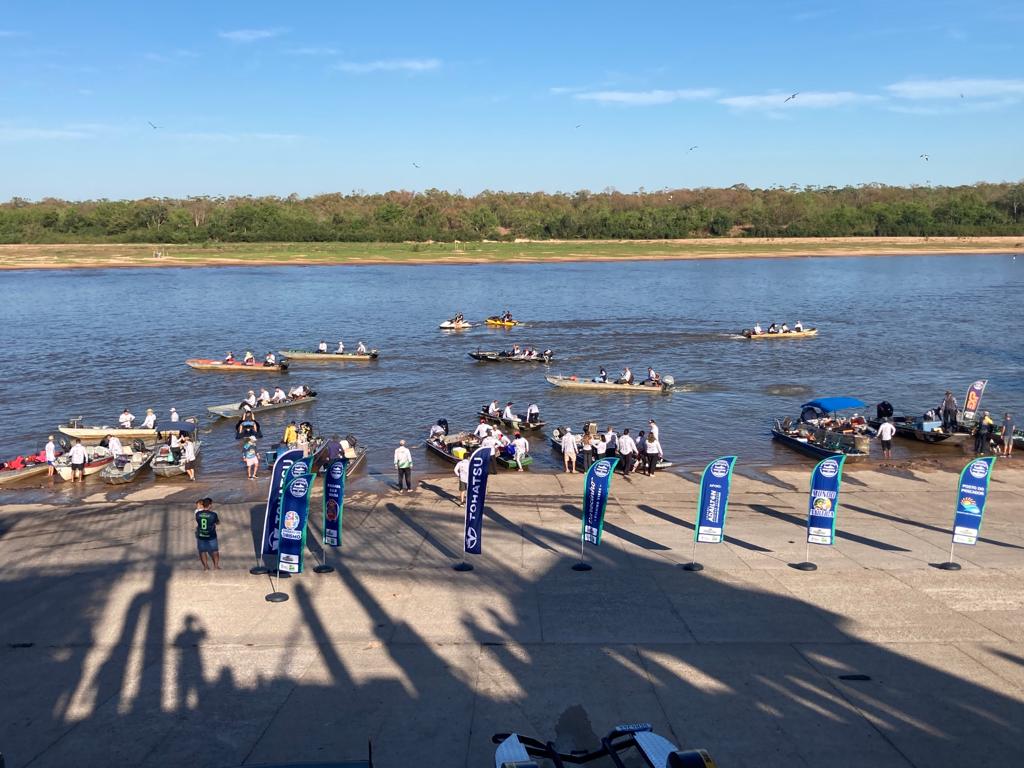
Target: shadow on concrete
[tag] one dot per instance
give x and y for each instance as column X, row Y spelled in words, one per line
column 616, row 530
column 923, row 526
column 840, row 534
column 428, row 537
column 654, row 512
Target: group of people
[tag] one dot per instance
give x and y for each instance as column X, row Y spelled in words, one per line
column 642, row 453
column 127, row 419
column 264, row 398
column 322, row 349
column 508, row 415
column 776, row 328
column 249, row 358
column 527, row 353
column 987, row 437
column 626, row 377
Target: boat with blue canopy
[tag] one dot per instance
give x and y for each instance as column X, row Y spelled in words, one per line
column 823, row 429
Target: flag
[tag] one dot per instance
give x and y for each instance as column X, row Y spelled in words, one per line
column 596, row 484
column 972, row 493
column 294, row 516
column 972, row 400
column 272, row 517
column 476, row 490
column 823, row 504
column 713, row 500
column 334, row 501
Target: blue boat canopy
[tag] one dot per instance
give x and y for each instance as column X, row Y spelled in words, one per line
column 832, row 404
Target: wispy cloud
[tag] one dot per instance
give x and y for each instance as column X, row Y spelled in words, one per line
column 313, row 50
column 646, row 98
column 388, row 65
column 250, row 35
column 808, row 99
column 954, row 88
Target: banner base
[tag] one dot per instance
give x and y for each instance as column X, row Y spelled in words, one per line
column 462, row 567
column 323, row 569
column 276, row 597
column 949, row 566
column 280, row 574
column 692, row 567
column 582, row 567
column 805, row 566
column 259, row 570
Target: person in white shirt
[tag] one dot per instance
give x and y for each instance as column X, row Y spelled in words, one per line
column 507, row 414
column 115, row 447
column 150, row 421
column 462, row 472
column 652, row 453
column 173, row 442
column 188, row 456
column 403, row 463
column 627, row 450
column 270, row 359
column 626, row 377
column 600, row 447
column 653, row 428
column 250, row 399
column 785, row 328
column 279, row 396
column 249, row 358
column 78, row 457
column 886, row 432
column 522, row 447
column 798, row 326
column 757, row 329
column 569, row 451
column 264, row 397
column 532, row 414
column 481, row 429
column 494, row 443
column 125, row 419
column 51, row 455
column 322, row 347
column 361, row 349
column 436, row 431
column 295, row 391
column 341, row 347
column 492, row 409
column 174, row 415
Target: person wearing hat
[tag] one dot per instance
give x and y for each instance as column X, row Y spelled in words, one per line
column 403, row 463
column 250, row 399
column 1006, row 432
column 51, row 455
column 522, row 449
column 948, row 411
column 124, row 421
column 174, row 415
column 507, row 414
column 150, row 421
column 251, row 457
column 983, row 433
column 569, row 450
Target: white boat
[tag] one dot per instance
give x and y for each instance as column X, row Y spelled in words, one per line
column 448, row 325
column 168, row 464
column 96, row 458
column 97, row 433
column 230, row 410
column 572, row 382
column 125, row 467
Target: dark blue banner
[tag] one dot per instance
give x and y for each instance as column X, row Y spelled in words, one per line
column 596, row 484
column 970, row 500
column 972, row 401
column 334, row 501
column 272, row 517
column 713, row 501
column 476, row 490
column 823, row 504
column 294, row 516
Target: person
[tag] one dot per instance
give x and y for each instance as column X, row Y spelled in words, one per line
column 174, row 415
column 773, row 328
column 516, row 351
column 627, row 450
column 51, row 455
column 250, row 399
column 493, row 410
column 341, row 348
column 279, row 395
column 188, row 456
column 480, row 432
column 652, row 428
column 361, row 349
column 332, row 449
column 1006, row 432
column 533, row 414
column 462, row 472
column 249, row 359
column 116, row 449
column 602, row 376
column 437, row 431
column 785, row 328
column 586, row 451
column 640, row 439
column 626, row 377
column 600, row 447
column 507, row 316
column 653, row 380
column 757, row 329
column 291, row 434
column 652, row 453
column 322, row 347
column 229, row 358
column 948, row 411
column 124, row 421
column 611, row 440
column 522, row 449
column 491, row 441
column 173, row 443
column 302, row 441
column 251, row 458
column 270, row 359
column 403, row 463
column 206, row 534
column 296, row 391
column 983, row 433
column 150, row 421
column 886, row 431
column 78, row 458
column 264, row 398
column 507, row 414
column 569, row 451
column 798, row 326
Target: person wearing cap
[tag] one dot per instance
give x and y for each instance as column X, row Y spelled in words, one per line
column 51, row 455
column 948, row 410
column 270, row 359
column 507, row 414
column 361, row 349
column 341, row 348
column 1006, row 432
column 150, row 421
column 886, row 432
column 569, row 450
column 403, row 463
column 188, row 456
column 481, row 429
column 983, row 433
column 279, row 395
column 251, row 457
column 174, row 415
column 250, row 399
column 653, row 428
column 249, row 359
column 522, row 449
column 124, row 421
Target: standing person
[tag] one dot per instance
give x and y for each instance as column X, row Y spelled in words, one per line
column 611, row 440
column 251, row 457
column 600, row 447
column 78, row 457
column 188, row 456
column 652, row 452
column 462, row 472
column 587, row 451
column 291, row 435
column 949, row 409
column 403, row 463
column 653, row 429
column 569, row 451
column 1006, row 432
column 174, row 415
column 492, row 442
column 51, row 455
column 481, row 429
column 206, row 534
column 150, row 421
column 124, row 421
column 983, row 433
column 532, row 414
column 627, row 450
column 886, row 431
column 522, row 447
column 115, row 448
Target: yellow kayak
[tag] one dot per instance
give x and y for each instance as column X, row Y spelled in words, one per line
column 497, row 322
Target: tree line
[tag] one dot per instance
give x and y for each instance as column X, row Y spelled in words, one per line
column 737, row 211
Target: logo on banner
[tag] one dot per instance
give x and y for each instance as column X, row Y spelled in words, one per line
column 337, row 470
column 979, row 469
column 720, row 469
column 471, row 539
column 297, row 469
column 291, row 525
column 969, row 506
column 299, row 487
column 332, row 510
column 822, row 505
column 602, row 470
column 829, row 468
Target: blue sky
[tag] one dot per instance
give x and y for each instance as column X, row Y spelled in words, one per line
column 311, row 97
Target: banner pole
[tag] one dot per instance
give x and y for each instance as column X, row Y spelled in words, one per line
column 806, row 565
column 950, row 565
column 582, row 565
column 323, row 567
column 693, row 565
column 275, row 596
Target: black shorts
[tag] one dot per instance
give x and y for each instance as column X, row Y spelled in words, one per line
column 78, row 467
column 190, row 465
column 886, row 445
column 462, row 486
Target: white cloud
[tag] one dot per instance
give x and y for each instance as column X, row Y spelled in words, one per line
column 388, row 65
column 249, row 35
column 953, row 88
column 809, row 99
column 646, row 98
column 313, row 51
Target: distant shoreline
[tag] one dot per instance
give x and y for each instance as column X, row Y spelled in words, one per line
column 135, row 255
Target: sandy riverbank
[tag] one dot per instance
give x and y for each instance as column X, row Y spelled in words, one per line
column 97, row 256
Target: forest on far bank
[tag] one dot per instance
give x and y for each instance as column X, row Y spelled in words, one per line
column 737, row 211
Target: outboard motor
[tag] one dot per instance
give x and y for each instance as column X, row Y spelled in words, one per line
column 138, row 446
column 667, row 383
column 351, row 440
column 883, row 410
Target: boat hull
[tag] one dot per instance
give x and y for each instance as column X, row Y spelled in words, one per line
column 115, row 475
column 201, row 364
column 566, row 382
column 494, row 322
column 810, row 333
column 330, row 357
column 444, row 450
column 448, row 325
column 498, row 357
column 813, row 449
column 231, row 410
column 14, row 475
column 87, row 434
column 95, row 462
column 164, row 468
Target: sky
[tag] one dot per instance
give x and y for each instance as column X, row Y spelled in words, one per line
column 127, row 100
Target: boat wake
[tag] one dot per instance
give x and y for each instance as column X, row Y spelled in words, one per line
column 787, row 390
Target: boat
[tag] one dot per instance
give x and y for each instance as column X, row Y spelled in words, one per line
column 497, row 322
column 22, row 468
column 806, row 333
column 236, row 366
column 558, row 432
column 449, row 325
column 455, row 447
column 168, row 464
column 509, row 461
column 926, row 430
column 820, row 432
column 517, row 424
column 331, row 357
column 125, row 467
column 92, row 433
column 504, row 356
column 572, row 382
column 230, row 410
column 96, row 458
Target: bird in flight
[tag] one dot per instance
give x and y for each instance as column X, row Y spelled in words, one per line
column 692, row 148
column 924, row 156
column 153, row 125
column 580, row 125
column 415, row 165
column 791, row 97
